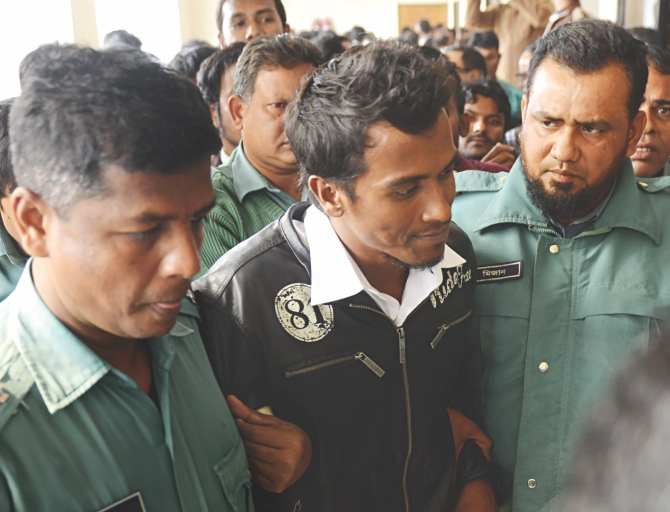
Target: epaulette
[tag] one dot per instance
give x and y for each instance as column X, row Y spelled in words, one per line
column 480, row 181
column 653, row 185
column 15, row 381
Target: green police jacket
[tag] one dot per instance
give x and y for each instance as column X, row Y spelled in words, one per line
column 558, row 316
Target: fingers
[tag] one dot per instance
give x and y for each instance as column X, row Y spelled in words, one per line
column 272, row 436
column 248, row 415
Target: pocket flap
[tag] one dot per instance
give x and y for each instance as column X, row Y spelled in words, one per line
column 233, row 473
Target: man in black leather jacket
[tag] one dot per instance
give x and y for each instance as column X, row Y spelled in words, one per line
column 350, row 317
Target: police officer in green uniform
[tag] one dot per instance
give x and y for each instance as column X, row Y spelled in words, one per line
column 107, row 399
column 12, row 257
column 572, row 253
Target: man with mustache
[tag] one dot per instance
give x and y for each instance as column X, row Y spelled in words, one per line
column 349, row 317
column 107, row 399
column 487, row 112
column 572, row 253
column 653, row 150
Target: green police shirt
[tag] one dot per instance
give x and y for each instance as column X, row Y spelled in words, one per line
column 558, row 316
column 246, row 202
column 77, row 435
column 11, row 263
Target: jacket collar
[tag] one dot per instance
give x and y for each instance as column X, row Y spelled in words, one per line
column 8, row 248
column 628, row 207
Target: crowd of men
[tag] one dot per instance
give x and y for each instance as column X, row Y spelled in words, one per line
column 311, row 273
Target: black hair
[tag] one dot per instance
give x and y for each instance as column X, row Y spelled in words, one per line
column 658, row 59
column 484, row 39
column 121, row 38
column 81, row 111
column 213, row 68
column 7, row 178
column 329, row 43
column 424, row 26
column 435, row 55
column 268, row 53
column 472, row 59
column 354, row 35
column 409, row 36
column 646, row 35
column 588, row 46
column 531, row 48
column 189, row 59
column 219, row 14
column 490, row 89
column 385, row 81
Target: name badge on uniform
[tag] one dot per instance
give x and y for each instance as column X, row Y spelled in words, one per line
column 132, row 503
column 500, row 272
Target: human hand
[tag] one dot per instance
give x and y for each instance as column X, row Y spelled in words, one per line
column 501, row 154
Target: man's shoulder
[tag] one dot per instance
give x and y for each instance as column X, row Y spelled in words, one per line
column 468, row 182
column 475, row 191
column 655, row 187
column 16, row 380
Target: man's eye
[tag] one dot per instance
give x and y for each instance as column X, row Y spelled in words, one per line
column 591, row 129
column 145, row 235
column 239, row 24
column 278, row 105
column 548, row 124
column 267, row 20
column 664, row 111
column 406, row 193
column 446, row 173
column 495, row 122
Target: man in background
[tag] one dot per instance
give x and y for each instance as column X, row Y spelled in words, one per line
column 121, row 39
column 517, row 23
column 653, row 150
column 243, row 20
column 565, row 11
column 260, row 181
column 470, row 64
column 487, row 111
column 187, row 62
column 12, row 256
column 425, row 33
column 216, row 80
column 486, row 42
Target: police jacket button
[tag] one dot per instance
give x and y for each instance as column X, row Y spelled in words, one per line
column 544, row 367
column 503, row 179
column 554, row 249
column 532, row 483
column 643, row 184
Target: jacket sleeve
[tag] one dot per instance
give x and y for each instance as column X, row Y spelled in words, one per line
column 535, row 12
column 476, row 18
column 235, row 357
column 221, row 235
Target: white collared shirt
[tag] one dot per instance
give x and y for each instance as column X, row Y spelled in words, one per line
column 335, row 274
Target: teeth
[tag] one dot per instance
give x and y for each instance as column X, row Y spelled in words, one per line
column 644, row 150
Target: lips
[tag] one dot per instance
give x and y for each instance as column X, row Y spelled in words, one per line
column 563, row 176
column 644, row 152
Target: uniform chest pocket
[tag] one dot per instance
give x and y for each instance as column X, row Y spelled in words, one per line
column 634, row 299
column 233, row 474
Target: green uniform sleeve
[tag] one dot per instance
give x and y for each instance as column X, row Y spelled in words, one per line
column 221, row 235
column 5, row 496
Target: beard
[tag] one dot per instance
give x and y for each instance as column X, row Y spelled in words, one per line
column 424, row 265
column 562, row 204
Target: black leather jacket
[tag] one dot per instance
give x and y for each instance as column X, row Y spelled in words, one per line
column 372, row 396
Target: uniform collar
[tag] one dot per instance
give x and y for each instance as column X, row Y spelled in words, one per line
column 63, row 367
column 8, row 248
column 335, row 275
column 627, row 208
column 246, row 178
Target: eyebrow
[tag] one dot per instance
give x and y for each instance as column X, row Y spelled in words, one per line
column 599, row 124
column 661, row 102
column 413, row 179
column 152, row 218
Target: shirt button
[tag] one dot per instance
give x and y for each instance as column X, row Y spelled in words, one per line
column 643, row 184
column 554, row 249
column 503, row 179
column 532, row 483
column 544, row 367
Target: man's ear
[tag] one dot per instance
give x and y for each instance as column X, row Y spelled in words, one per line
column 464, row 124
column 331, row 197
column 220, row 38
column 213, row 114
column 524, row 104
column 237, row 108
column 287, row 28
column 636, row 130
column 31, row 216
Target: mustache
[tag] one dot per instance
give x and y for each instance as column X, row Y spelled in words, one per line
column 481, row 135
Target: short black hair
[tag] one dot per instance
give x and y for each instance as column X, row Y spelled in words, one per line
column 213, row 68
column 269, row 52
column 219, row 14
column 409, row 36
column 385, row 81
column 658, row 59
column 588, row 46
column 647, row 35
column 472, row 59
column 490, row 89
column 435, row 55
column 7, row 178
column 424, row 26
column 484, row 39
column 189, row 59
column 328, row 43
column 354, row 35
column 82, row 110
column 121, row 38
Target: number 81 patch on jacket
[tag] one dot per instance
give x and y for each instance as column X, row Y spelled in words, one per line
column 299, row 318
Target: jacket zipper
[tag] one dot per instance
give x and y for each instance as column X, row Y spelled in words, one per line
column 444, row 328
column 360, row 356
column 408, row 401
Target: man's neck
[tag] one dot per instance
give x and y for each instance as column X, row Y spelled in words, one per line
column 565, row 5
column 228, row 147
column 285, row 180
column 601, row 197
column 382, row 274
column 129, row 356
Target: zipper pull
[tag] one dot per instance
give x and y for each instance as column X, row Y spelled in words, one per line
column 401, row 341
column 440, row 335
column 370, row 364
